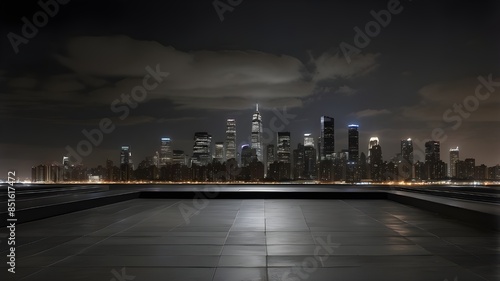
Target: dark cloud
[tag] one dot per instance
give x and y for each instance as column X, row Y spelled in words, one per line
column 440, row 99
column 371, row 113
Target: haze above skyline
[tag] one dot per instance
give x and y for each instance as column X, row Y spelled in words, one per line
column 409, row 75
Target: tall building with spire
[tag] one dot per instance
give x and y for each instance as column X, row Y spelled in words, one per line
column 230, row 139
column 257, row 134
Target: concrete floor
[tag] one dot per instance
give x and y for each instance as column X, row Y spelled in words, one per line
column 228, row 239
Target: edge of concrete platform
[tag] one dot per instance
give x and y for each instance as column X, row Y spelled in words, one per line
column 471, row 216
column 51, row 210
column 479, row 214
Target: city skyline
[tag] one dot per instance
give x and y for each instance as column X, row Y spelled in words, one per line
column 404, row 78
column 205, row 150
column 208, row 146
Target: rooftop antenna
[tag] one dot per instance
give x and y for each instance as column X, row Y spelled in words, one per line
column 257, row 107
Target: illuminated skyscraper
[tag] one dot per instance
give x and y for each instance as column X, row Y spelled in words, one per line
column 376, row 163
column 126, row 167
column 270, row 154
column 284, row 147
column 179, row 157
column 353, row 143
column 230, row 139
column 65, row 161
column 327, row 138
column 165, row 152
column 283, row 167
column 373, row 141
column 257, row 134
column 309, row 157
column 405, row 161
column 66, row 169
column 454, row 157
column 407, row 150
column 219, row 152
column 125, row 155
column 308, row 140
column 201, row 148
column 156, row 159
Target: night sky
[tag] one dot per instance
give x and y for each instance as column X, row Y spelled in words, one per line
column 400, row 84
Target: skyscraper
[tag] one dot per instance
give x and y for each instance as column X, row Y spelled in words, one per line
column 65, row 161
column 125, row 163
column 308, row 140
column 110, row 171
column 230, row 139
column 432, row 151
column 405, row 161
column 247, row 155
column 310, row 162
column 201, row 148
column 219, row 152
column 304, row 162
column 327, row 138
column 65, row 167
column 282, row 168
column 434, row 167
column 165, row 152
column 298, row 162
column 257, row 134
column 309, row 157
column 470, row 165
column 407, row 150
column 373, row 141
column 179, row 157
column 284, row 147
column 156, row 159
column 454, row 157
column 353, row 143
column 376, row 163
column 125, row 155
column 270, row 154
